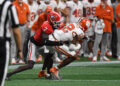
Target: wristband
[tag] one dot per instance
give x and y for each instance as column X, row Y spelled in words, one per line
column 19, row 51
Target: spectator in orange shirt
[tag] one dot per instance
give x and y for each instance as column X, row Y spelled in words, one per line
column 23, row 15
column 118, row 28
column 22, row 10
column 105, row 12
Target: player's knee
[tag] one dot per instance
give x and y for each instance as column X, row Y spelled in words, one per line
column 31, row 64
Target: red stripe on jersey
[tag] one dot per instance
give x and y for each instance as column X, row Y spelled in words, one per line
column 30, row 51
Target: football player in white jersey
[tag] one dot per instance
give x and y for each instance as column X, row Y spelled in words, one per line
column 89, row 12
column 74, row 10
column 40, row 6
column 90, row 7
column 50, row 3
column 61, row 5
column 72, row 33
column 33, row 11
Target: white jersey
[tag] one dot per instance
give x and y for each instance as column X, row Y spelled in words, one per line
column 52, row 4
column 90, row 8
column 40, row 7
column 33, row 13
column 61, row 5
column 68, row 32
column 76, row 10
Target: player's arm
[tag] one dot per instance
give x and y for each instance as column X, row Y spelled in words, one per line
column 17, row 36
column 46, row 42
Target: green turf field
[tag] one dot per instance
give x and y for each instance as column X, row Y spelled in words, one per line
column 76, row 74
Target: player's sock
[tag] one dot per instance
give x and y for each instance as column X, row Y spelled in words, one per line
column 66, row 62
column 50, row 64
column 22, row 68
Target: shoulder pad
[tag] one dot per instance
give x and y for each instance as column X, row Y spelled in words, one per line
column 47, row 28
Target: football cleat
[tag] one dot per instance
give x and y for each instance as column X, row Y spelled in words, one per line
column 104, row 58
column 42, row 73
column 109, row 53
column 94, row 59
column 21, row 61
column 86, row 55
column 13, row 61
column 54, row 72
column 90, row 56
column 118, row 58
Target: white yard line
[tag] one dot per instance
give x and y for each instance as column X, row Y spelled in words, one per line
column 72, row 80
column 74, row 64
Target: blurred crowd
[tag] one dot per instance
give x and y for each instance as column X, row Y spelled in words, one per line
column 103, row 42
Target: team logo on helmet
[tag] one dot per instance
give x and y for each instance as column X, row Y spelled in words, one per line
column 52, row 17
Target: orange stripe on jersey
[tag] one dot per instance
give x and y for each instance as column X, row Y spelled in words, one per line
column 62, row 50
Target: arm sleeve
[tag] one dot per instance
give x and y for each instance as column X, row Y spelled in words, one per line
column 46, row 42
column 13, row 16
column 52, row 43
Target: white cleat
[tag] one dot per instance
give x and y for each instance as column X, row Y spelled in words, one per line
column 94, row 59
column 104, row 58
column 21, row 61
column 90, row 56
column 109, row 53
column 13, row 61
column 118, row 58
column 86, row 55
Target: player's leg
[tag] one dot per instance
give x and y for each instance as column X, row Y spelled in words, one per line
column 118, row 43
column 104, row 46
column 65, row 50
column 25, row 44
column 48, row 63
column 13, row 50
column 4, row 60
column 97, row 41
column 31, row 62
column 21, row 68
column 90, row 46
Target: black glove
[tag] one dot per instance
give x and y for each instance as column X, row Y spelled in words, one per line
column 66, row 42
